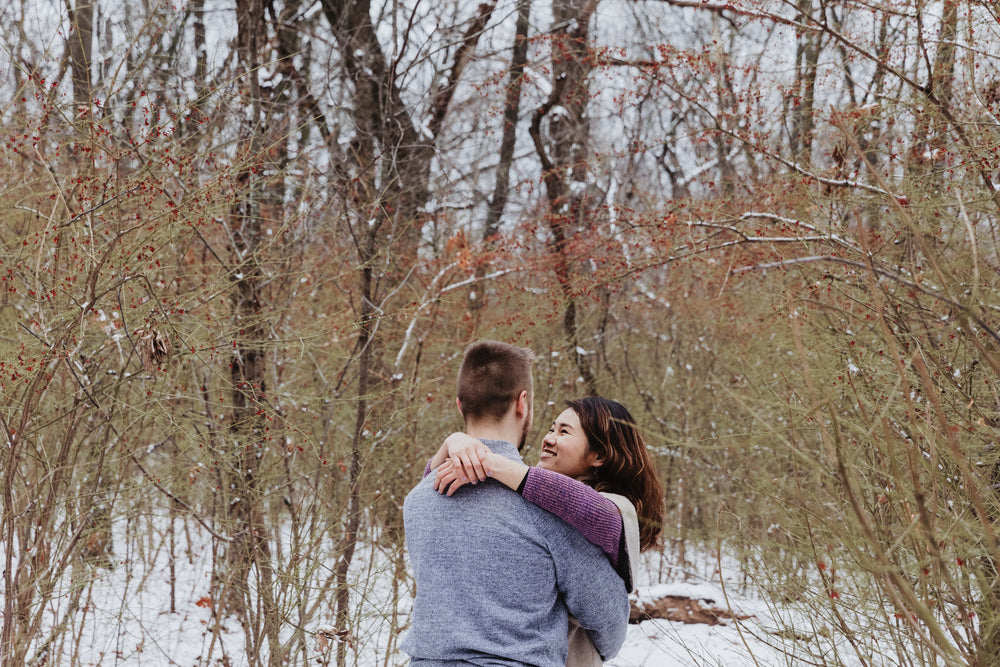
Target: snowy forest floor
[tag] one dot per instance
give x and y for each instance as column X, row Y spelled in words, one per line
column 125, row 616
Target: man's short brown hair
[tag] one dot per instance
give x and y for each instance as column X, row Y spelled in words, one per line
column 492, row 376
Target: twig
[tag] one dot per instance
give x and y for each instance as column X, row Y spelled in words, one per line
column 878, row 271
column 720, row 8
column 177, row 500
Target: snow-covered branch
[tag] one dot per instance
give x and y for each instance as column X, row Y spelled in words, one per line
column 430, row 296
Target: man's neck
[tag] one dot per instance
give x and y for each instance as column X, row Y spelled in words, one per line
column 495, row 431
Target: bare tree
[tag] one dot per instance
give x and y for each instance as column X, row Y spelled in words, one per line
column 564, row 159
column 79, row 50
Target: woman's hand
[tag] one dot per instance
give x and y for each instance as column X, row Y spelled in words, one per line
column 468, row 457
column 448, row 479
column 508, row 472
column 463, row 459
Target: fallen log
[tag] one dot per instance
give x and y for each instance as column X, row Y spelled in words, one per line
column 681, row 610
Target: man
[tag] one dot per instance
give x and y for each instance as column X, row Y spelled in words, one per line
column 497, row 576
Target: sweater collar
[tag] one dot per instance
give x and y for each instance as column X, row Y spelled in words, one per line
column 502, row 447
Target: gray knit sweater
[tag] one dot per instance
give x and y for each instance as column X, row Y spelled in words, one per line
column 497, row 577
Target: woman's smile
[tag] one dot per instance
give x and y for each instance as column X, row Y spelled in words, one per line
column 565, row 448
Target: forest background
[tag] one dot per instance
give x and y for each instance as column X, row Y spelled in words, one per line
column 244, row 244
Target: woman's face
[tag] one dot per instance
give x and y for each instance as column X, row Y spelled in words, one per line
column 565, row 448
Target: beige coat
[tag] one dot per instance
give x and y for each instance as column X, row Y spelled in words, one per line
column 581, row 651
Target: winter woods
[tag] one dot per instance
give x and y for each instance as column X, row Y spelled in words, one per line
column 244, row 244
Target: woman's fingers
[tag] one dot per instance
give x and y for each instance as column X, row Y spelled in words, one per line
column 461, row 469
column 481, row 461
column 474, row 462
column 469, row 456
column 452, row 484
column 448, row 479
column 473, row 466
column 444, row 475
column 484, row 459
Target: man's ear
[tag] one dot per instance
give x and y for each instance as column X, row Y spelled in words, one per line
column 458, row 403
column 522, row 404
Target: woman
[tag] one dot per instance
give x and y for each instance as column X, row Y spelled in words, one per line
column 594, row 472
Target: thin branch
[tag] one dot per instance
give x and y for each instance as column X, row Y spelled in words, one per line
column 463, row 55
column 720, row 8
column 152, row 480
column 836, row 238
column 919, row 287
column 832, row 182
column 408, row 337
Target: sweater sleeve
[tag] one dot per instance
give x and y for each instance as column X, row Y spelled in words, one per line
column 427, row 469
column 593, row 515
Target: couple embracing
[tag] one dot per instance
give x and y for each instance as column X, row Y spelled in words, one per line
column 518, row 565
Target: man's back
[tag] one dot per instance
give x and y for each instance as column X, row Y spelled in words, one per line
column 496, row 575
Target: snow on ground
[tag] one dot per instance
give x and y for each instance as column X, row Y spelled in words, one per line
column 125, row 617
column 735, row 644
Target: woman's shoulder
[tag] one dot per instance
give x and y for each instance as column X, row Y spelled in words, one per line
column 625, row 505
column 630, row 528
column 626, row 509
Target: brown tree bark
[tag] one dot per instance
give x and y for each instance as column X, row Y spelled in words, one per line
column 367, row 325
column 386, row 180
column 508, row 140
column 463, row 55
column 401, row 155
column 249, row 547
column 565, row 160
column 79, row 47
column 807, row 50
column 929, row 137
column 511, row 112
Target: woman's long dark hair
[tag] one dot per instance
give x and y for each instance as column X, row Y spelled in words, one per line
column 627, row 468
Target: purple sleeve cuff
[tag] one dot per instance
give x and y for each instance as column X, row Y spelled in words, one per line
column 427, row 469
column 593, row 515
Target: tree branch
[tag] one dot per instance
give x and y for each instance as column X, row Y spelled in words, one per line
column 445, row 92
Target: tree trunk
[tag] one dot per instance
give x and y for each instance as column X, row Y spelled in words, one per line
column 79, row 46
column 508, row 140
column 249, row 546
column 564, row 161
column 806, row 65
column 930, row 140
column 402, row 163
column 345, row 550
column 511, row 112
column 386, row 188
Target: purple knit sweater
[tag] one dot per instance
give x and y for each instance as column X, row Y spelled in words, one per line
column 593, row 515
